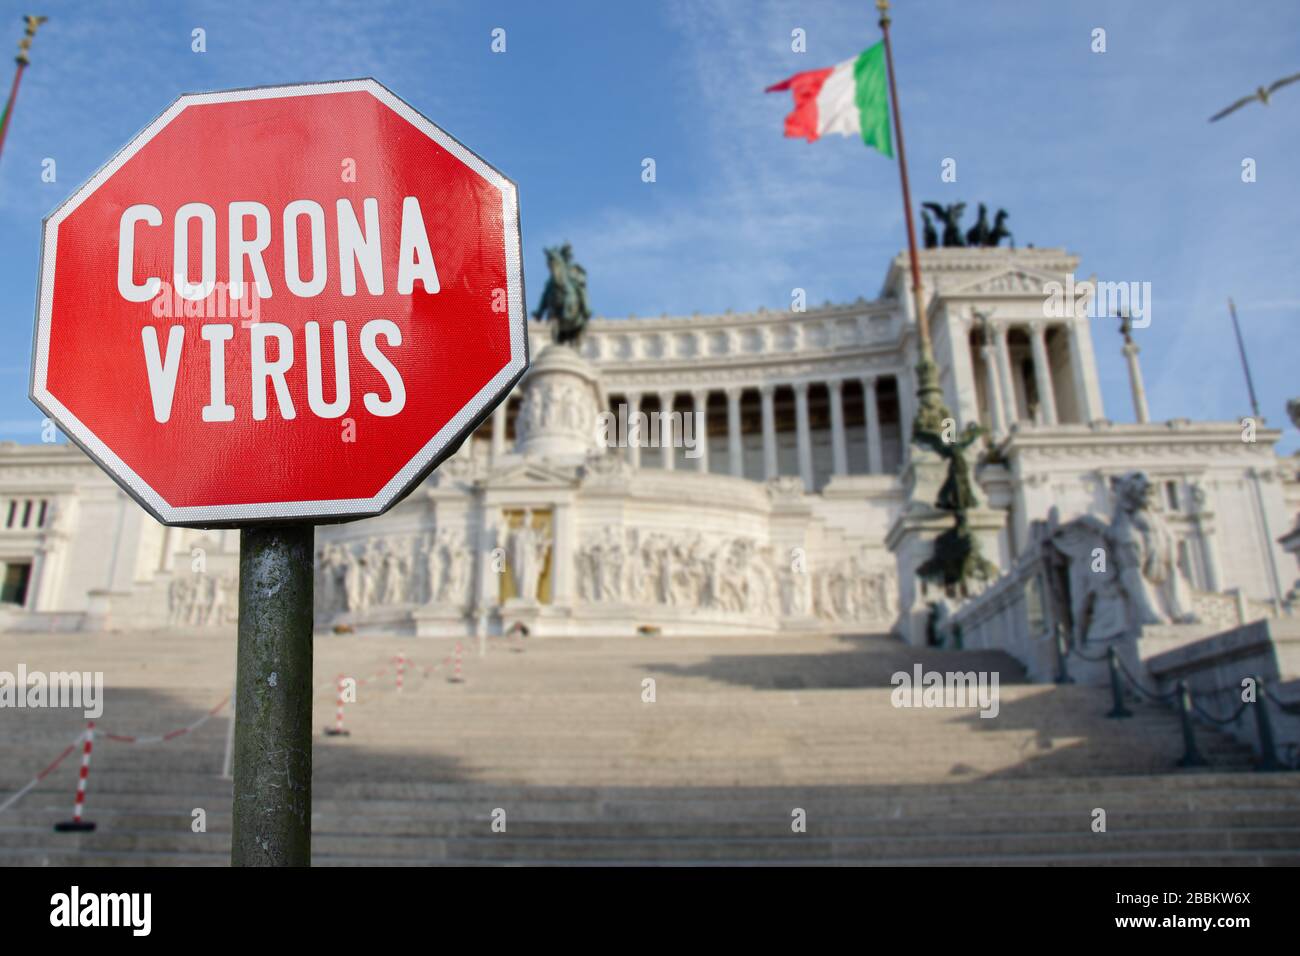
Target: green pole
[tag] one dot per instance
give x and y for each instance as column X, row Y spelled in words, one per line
column 272, row 813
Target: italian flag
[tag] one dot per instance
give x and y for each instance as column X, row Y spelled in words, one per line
column 850, row 98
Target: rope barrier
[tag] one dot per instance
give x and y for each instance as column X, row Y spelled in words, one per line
column 1077, row 651
column 1220, row 721
column 43, row 774
column 1149, row 695
column 86, row 736
column 170, row 735
column 1291, row 710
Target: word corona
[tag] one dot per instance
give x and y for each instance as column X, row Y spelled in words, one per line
column 359, row 250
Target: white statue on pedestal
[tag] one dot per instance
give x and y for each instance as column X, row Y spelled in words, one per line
column 1124, row 574
column 528, row 549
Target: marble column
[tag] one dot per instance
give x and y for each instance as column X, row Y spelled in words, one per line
column 171, row 544
column 1140, row 409
column 666, row 435
column 1203, row 520
column 1080, row 346
column 1010, row 408
column 563, row 534
column 1043, row 373
column 700, row 407
column 906, row 400
column 803, row 434
column 766, row 393
column 735, row 441
column 875, row 462
column 635, row 435
column 997, row 422
column 499, row 430
column 839, row 447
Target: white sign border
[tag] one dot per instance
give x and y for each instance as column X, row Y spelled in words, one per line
column 329, row 511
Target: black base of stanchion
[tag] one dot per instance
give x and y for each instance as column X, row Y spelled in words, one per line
column 455, row 680
column 74, row 826
column 332, row 732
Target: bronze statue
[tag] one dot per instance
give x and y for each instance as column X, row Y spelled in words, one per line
column 1126, row 326
column 950, row 216
column 979, row 233
column 956, row 556
column 1000, row 230
column 956, row 493
column 928, row 232
column 564, row 300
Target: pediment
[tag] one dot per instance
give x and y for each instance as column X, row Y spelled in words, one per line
column 1010, row 282
column 531, row 474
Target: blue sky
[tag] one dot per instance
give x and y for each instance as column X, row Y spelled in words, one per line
column 1109, row 154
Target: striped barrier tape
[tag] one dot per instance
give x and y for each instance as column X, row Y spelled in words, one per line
column 18, row 795
column 170, row 735
column 81, row 736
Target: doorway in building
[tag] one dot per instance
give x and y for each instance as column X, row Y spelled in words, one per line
column 13, row 588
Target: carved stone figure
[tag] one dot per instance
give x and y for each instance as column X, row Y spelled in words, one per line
column 1119, row 575
column 353, row 588
column 457, row 559
column 370, row 567
column 394, row 573
column 200, row 600
column 528, row 549
column 728, row 575
column 433, row 570
column 1147, row 555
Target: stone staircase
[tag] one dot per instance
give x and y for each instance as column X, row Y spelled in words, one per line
column 555, row 733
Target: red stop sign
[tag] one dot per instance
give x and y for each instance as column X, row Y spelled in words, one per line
column 280, row 303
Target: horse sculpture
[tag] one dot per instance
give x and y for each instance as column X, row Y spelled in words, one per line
column 564, row 300
column 950, row 216
column 978, row 235
column 1000, row 230
column 981, row 235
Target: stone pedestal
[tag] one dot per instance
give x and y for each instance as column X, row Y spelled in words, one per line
column 443, row 620
column 99, row 606
column 911, row 540
column 562, row 398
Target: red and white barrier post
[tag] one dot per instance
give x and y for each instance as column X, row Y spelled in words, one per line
column 456, row 676
column 76, row 824
column 337, row 730
column 401, row 670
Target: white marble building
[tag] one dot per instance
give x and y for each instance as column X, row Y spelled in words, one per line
column 801, row 506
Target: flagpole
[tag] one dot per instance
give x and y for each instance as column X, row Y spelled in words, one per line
column 1245, row 364
column 24, row 46
column 932, row 412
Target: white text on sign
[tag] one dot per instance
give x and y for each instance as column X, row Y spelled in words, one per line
column 359, row 250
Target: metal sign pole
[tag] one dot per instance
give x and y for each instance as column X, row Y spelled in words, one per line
column 272, row 813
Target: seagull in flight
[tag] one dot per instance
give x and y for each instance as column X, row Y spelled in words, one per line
column 1260, row 94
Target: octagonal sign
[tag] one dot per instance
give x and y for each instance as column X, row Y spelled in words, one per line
column 280, row 304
